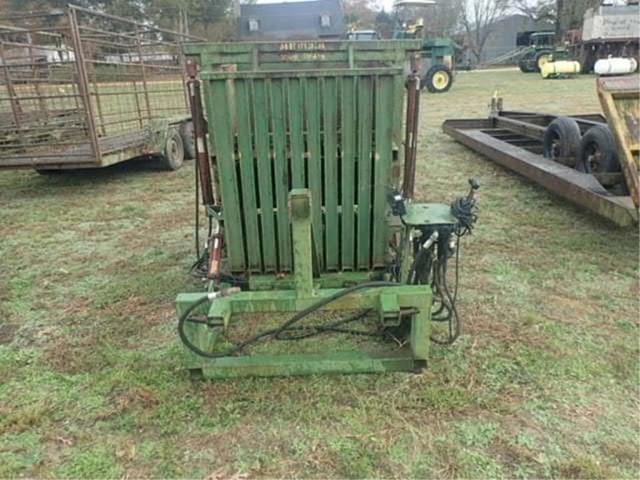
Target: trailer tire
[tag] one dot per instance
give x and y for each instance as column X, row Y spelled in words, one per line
column 562, row 141
column 172, row 156
column 188, row 140
column 598, row 153
column 438, row 79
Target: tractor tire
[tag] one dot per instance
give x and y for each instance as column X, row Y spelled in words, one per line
column 526, row 63
column 545, row 56
column 172, row 156
column 188, row 140
column 562, row 141
column 597, row 152
column 438, row 79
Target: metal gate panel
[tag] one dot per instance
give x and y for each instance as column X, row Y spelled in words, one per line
column 331, row 132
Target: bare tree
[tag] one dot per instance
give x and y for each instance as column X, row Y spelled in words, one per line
column 479, row 21
column 537, row 10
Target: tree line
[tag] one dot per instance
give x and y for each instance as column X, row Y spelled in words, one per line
column 214, row 19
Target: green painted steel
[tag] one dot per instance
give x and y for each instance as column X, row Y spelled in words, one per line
column 265, row 179
column 365, row 134
column 385, row 300
column 348, row 137
column 220, row 130
column 327, row 117
column 314, row 162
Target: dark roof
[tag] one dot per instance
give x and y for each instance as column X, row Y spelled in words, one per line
column 292, row 20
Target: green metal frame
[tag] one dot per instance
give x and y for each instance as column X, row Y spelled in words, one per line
column 306, row 142
column 389, row 303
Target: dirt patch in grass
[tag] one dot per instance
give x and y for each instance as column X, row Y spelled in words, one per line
column 7, row 332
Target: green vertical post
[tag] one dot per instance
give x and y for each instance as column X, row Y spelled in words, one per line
column 300, row 214
column 365, row 123
column 330, row 121
column 382, row 164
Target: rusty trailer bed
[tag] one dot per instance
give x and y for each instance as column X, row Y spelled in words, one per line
column 523, row 155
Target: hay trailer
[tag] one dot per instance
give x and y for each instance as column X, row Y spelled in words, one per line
column 589, row 159
column 308, row 179
column 81, row 89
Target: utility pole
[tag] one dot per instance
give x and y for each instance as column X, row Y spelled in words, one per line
column 559, row 18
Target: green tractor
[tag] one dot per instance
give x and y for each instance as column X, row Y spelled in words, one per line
column 437, row 66
column 540, row 51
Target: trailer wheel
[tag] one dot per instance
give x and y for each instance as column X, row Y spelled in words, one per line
column 188, row 140
column 173, row 155
column 438, row 79
column 597, row 153
column 562, row 141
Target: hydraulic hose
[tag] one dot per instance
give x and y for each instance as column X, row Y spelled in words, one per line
column 276, row 332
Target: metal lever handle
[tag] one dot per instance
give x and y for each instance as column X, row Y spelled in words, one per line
column 475, row 185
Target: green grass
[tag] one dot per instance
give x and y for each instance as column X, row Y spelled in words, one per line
column 543, row 383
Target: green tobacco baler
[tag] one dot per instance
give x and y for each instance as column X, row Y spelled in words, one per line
column 307, row 174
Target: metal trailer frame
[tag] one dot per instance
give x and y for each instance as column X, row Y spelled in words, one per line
column 306, row 138
column 513, row 139
column 82, row 89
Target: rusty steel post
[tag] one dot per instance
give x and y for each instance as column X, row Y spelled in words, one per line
column 83, row 83
column 199, row 132
column 411, row 135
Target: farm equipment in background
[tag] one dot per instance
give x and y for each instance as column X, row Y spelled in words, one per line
column 308, row 180
column 591, row 160
column 609, row 36
column 539, row 52
column 437, row 55
column 81, row 89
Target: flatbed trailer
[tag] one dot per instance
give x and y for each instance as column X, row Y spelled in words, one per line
column 514, row 139
column 82, row 89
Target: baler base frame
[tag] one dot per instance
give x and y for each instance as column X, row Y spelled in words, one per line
column 388, row 301
column 392, row 304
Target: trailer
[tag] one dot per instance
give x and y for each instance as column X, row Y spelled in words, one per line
column 589, row 159
column 82, row 89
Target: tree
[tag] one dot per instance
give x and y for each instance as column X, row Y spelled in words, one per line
column 479, row 21
column 360, row 14
column 443, row 19
column 537, row 10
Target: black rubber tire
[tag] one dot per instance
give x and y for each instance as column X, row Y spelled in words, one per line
column 562, row 141
column 525, row 63
column 188, row 140
column 172, row 156
column 524, row 68
column 597, row 152
column 428, row 79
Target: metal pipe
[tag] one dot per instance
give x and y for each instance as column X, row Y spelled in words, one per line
column 83, row 84
column 411, row 135
column 209, row 195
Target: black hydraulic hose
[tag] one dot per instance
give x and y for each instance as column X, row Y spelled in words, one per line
column 276, row 332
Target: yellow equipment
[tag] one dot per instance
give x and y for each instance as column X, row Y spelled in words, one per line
column 561, row 68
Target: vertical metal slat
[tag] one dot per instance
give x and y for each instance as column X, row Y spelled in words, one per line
column 313, row 126
column 365, row 105
column 330, row 120
column 294, row 102
column 347, row 174
column 382, row 164
column 281, row 174
column 220, row 131
column 261, row 122
column 245, row 159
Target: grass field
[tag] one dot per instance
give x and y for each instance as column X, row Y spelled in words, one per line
column 543, row 383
